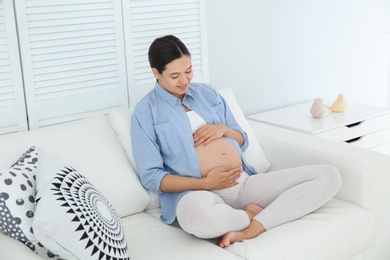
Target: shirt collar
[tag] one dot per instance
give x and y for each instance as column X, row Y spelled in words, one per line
column 168, row 97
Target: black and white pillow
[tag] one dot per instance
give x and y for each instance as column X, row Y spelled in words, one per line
column 72, row 218
column 17, row 202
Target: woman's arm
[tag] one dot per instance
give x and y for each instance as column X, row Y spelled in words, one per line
column 210, row 132
column 218, row 178
column 150, row 163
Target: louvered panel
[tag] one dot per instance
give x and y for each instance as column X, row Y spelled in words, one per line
column 12, row 106
column 149, row 19
column 80, row 47
column 73, row 58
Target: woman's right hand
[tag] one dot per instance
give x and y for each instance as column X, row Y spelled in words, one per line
column 218, row 178
column 222, row 177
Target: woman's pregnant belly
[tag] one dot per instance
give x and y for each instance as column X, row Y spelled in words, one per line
column 219, row 152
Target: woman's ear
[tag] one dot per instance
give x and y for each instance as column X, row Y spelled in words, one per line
column 156, row 74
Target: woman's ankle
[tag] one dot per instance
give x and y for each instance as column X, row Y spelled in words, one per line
column 254, row 229
column 252, row 210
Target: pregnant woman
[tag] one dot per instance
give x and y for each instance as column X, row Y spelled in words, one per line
column 189, row 148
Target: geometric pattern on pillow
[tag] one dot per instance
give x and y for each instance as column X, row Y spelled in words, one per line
column 73, row 219
column 17, row 202
column 98, row 225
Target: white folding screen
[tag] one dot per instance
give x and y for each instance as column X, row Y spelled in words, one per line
column 146, row 20
column 12, row 104
column 72, row 58
column 63, row 60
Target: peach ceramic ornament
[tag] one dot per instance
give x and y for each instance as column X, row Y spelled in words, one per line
column 317, row 109
column 339, row 105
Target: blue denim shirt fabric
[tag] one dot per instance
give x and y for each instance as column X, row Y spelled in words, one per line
column 162, row 138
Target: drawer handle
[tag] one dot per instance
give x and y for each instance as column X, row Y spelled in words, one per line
column 354, row 139
column 354, row 124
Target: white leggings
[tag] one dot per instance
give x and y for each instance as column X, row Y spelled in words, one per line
column 285, row 195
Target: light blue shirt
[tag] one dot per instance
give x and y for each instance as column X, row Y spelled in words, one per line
column 162, row 138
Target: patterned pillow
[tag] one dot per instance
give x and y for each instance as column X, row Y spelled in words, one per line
column 72, row 218
column 17, row 202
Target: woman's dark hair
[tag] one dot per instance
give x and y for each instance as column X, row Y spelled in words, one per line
column 165, row 49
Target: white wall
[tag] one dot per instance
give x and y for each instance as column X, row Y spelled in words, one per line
column 275, row 53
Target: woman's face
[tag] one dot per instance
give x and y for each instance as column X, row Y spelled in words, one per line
column 176, row 77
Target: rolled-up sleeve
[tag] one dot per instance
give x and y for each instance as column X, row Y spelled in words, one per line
column 146, row 150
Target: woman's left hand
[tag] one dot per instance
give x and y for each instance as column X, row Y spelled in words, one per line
column 207, row 133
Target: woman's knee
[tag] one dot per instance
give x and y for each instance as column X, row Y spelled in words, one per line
column 193, row 212
column 331, row 178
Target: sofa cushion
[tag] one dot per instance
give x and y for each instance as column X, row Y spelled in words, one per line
column 150, row 239
column 338, row 230
column 11, row 249
column 72, row 218
column 91, row 146
column 120, row 121
column 17, row 202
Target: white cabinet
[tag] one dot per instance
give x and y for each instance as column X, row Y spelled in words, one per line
column 359, row 125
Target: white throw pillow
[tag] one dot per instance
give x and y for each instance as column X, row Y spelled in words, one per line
column 17, row 202
column 254, row 154
column 72, row 218
column 120, row 121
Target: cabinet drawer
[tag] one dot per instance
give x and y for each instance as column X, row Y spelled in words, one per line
column 358, row 129
column 372, row 140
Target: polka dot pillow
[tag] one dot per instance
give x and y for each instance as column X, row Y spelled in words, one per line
column 17, row 202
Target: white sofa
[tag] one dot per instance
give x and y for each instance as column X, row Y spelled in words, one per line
column 354, row 225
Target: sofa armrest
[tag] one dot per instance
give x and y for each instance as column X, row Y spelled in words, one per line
column 365, row 173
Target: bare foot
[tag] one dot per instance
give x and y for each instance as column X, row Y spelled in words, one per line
column 253, row 230
column 230, row 238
